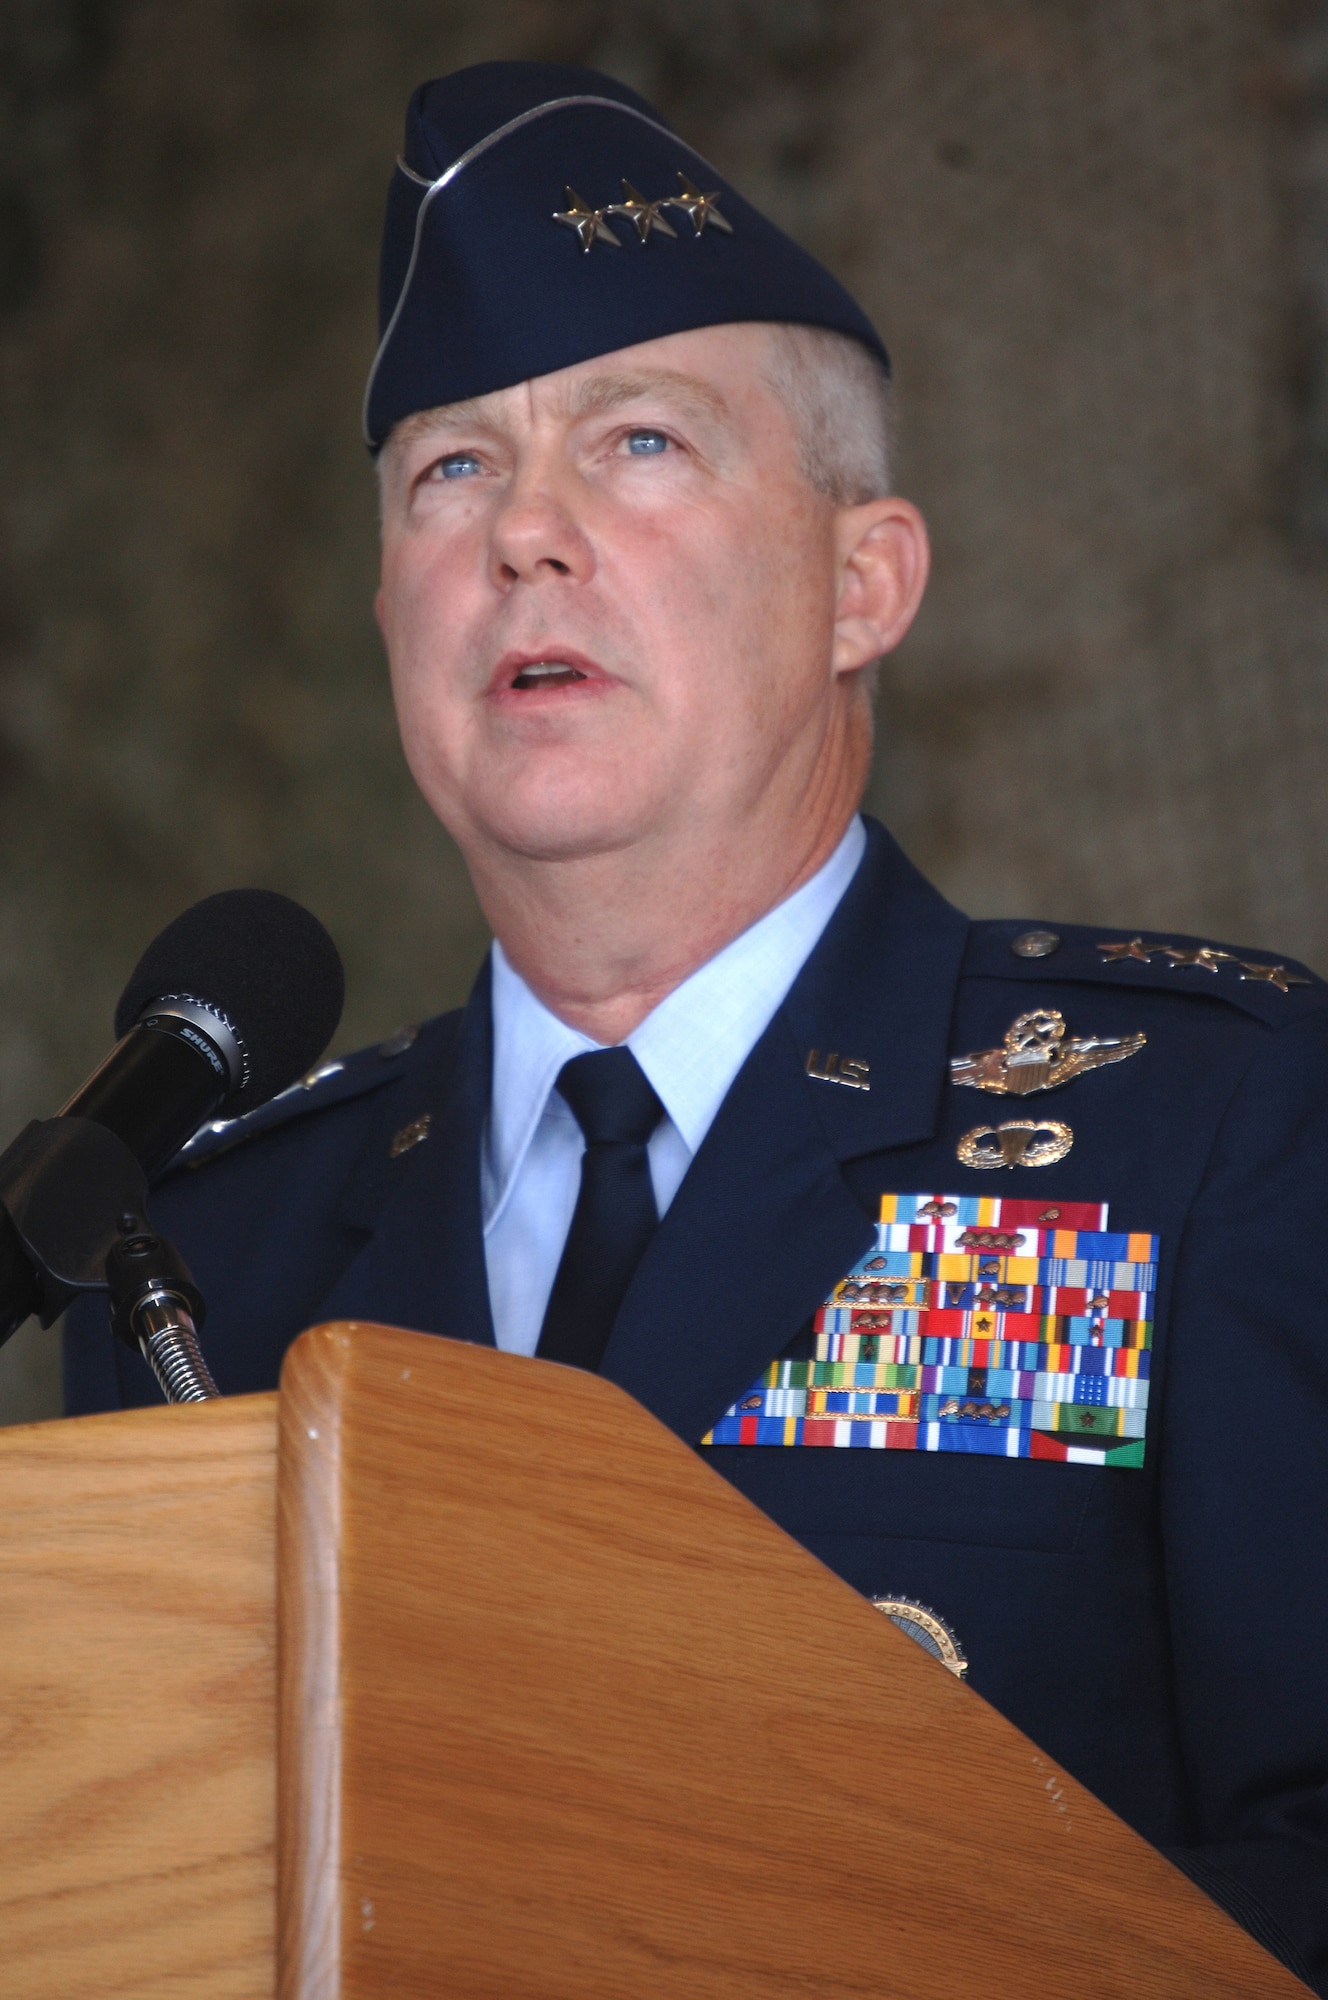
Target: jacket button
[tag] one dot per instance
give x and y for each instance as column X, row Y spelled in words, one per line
column 1035, row 944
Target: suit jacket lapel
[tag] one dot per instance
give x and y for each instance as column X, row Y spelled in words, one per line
column 764, row 1224
column 423, row 1266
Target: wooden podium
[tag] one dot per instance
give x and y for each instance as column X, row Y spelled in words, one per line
column 541, row 1707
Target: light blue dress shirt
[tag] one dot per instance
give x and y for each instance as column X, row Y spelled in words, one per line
column 691, row 1047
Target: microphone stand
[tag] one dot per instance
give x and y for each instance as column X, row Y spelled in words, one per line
column 156, row 1307
column 73, row 1219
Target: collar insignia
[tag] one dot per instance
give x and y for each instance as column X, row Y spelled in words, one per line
column 1036, row 1056
column 410, row 1135
column 851, row 1071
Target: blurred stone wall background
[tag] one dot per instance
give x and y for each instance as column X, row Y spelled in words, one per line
column 1097, row 238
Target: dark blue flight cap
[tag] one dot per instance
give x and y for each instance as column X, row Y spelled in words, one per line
column 542, row 214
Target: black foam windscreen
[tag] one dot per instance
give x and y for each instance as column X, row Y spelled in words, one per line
column 264, row 963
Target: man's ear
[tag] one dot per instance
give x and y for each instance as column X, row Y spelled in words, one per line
column 882, row 557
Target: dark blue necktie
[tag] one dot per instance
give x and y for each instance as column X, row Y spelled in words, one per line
column 615, row 1215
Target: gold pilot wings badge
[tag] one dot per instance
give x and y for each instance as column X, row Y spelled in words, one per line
column 1036, row 1055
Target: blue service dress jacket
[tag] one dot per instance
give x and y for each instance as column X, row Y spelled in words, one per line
column 1146, row 1596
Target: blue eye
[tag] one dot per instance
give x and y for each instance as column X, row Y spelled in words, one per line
column 647, row 444
column 460, row 465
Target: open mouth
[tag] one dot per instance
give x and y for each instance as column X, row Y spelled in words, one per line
column 547, row 674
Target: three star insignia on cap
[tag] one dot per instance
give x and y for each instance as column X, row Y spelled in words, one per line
column 1037, row 1056
column 588, row 222
column 1202, row 958
column 642, row 214
column 591, row 226
column 697, row 207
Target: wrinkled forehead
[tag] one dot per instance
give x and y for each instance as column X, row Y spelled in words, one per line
column 542, row 216
column 715, row 379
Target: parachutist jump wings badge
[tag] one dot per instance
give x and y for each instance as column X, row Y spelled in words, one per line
column 1037, row 1056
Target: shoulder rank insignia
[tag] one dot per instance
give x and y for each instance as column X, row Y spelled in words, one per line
column 1037, row 1056
column 1201, row 958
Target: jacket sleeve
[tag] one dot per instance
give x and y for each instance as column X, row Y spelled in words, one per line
column 1244, row 1503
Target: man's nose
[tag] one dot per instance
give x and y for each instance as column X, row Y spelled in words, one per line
column 536, row 536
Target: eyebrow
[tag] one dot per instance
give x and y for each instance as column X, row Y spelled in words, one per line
column 595, row 397
column 602, row 393
column 446, row 417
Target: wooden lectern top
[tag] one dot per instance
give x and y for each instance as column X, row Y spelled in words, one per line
column 563, row 1715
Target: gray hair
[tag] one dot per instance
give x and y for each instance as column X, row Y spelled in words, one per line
column 842, row 404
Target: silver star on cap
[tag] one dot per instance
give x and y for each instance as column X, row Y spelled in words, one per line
column 697, row 207
column 588, row 222
column 642, row 214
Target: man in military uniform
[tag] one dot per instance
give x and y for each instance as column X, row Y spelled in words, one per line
column 984, row 1257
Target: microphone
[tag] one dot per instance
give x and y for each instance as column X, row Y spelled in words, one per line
column 233, row 1002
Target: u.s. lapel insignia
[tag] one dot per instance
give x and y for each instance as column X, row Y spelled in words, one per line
column 851, row 1071
column 1037, row 1056
column 1019, row 1142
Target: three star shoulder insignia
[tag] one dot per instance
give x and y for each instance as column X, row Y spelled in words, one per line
column 1036, row 1055
column 1200, row 958
column 326, row 1083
